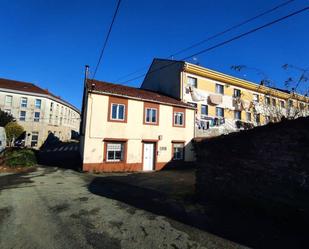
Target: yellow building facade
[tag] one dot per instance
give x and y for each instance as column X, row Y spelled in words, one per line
column 224, row 103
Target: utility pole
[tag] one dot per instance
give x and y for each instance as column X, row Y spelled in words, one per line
column 86, row 76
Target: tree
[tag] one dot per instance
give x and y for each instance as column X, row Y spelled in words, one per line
column 5, row 118
column 13, row 130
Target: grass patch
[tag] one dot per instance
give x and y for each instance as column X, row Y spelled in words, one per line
column 19, row 158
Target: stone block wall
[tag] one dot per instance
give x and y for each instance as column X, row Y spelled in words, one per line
column 267, row 166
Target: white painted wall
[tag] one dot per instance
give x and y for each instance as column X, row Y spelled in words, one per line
column 61, row 111
column 97, row 128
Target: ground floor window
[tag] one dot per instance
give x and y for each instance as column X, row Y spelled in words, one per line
column 115, row 151
column 178, row 151
column 248, row 115
column 34, row 139
column 257, row 118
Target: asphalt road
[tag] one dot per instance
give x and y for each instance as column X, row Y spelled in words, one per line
column 53, row 208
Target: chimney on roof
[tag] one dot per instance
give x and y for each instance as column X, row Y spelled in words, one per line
column 86, row 72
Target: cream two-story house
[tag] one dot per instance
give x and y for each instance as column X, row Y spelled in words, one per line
column 130, row 129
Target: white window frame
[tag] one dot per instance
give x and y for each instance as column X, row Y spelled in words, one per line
column 36, row 103
column 180, row 147
column 23, row 102
column 22, row 118
column 256, row 98
column 8, row 103
column 34, row 133
column 117, row 112
column 36, row 119
column 206, row 110
column 192, row 78
column 220, row 108
column 176, row 118
column 282, row 103
column 151, row 115
column 267, row 100
column 219, row 86
column 235, row 116
column 122, row 149
column 236, row 90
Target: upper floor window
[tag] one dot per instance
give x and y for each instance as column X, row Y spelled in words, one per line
column 204, row 110
column 191, row 81
column 291, row 103
column 237, row 115
column 274, row 102
column 219, row 88
column 282, row 104
column 36, row 117
column 38, row 103
column 22, row 116
column 267, row 100
column 237, row 93
column 8, row 100
column 51, row 106
column 179, row 117
column 256, row 98
column 151, row 115
column 23, row 102
column 219, row 112
column 118, row 112
column 301, row 106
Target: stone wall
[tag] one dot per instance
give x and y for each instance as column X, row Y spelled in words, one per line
column 267, row 166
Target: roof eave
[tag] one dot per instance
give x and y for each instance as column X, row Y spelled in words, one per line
column 140, row 99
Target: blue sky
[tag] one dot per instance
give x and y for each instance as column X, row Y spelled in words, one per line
column 49, row 42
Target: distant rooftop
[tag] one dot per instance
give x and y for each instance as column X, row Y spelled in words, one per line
column 29, row 88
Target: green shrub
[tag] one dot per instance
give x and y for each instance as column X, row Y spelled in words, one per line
column 20, row 158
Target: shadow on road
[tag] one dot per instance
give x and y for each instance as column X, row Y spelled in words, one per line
column 171, row 194
column 62, row 155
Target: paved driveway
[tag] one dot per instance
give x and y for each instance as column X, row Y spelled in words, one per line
column 57, row 208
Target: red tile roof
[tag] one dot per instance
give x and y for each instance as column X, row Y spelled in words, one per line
column 28, row 87
column 21, row 86
column 132, row 92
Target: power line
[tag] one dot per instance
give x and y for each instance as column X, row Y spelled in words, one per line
column 224, row 42
column 231, row 28
column 106, row 38
column 215, row 35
